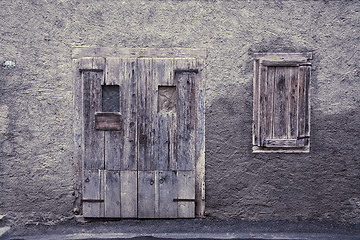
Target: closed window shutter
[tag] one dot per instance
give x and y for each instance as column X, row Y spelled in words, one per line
column 281, row 107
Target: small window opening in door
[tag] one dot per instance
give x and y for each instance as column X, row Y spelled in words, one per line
column 167, row 98
column 110, row 98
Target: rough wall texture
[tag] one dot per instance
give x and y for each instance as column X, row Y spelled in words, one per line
column 36, row 175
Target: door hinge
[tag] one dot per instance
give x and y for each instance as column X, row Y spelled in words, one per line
column 183, row 200
column 203, row 191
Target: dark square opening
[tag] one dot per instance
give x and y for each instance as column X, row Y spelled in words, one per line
column 110, row 98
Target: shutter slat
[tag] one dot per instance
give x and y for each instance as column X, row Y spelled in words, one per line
column 285, row 143
column 303, row 102
column 293, row 91
column 269, row 102
column 256, row 103
column 262, row 104
column 281, row 110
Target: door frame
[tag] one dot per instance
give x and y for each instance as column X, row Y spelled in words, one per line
column 86, row 53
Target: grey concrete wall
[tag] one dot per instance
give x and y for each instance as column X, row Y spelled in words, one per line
column 36, row 175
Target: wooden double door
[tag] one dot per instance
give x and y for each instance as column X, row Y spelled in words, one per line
column 140, row 124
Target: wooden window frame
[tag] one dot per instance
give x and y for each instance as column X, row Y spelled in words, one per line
column 262, row 143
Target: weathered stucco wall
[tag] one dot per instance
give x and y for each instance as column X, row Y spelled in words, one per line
column 36, row 175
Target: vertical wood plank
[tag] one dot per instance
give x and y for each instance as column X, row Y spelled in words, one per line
column 262, row 100
column 164, row 149
column 255, row 103
column 93, row 139
column 167, row 194
column 164, row 71
column 147, row 109
column 303, row 103
column 93, row 187
column 200, row 138
column 113, row 139
column 186, row 121
column 166, row 116
column 146, row 194
column 186, row 190
column 112, row 194
column 128, row 110
column 281, row 119
column 78, row 128
column 129, row 193
column 293, row 89
column 269, row 103
column 307, row 101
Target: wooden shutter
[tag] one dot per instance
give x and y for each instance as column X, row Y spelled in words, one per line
column 281, row 103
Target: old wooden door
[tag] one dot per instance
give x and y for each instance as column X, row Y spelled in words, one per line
column 140, row 136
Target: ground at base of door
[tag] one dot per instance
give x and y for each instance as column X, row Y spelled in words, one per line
column 185, row 229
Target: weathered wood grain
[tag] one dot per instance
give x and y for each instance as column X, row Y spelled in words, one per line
column 86, row 51
column 129, row 188
column 283, row 56
column 93, row 139
column 167, row 193
column 269, row 108
column 111, row 103
column 108, row 121
column 147, row 109
column 186, row 120
column 307, row 102
column 281, row 143
column 200, row 138
column 262, row 100
column 293, row 98
column 93, row 193
column 280, row 104
column 160, row 121
column 112, row 194
column 185, row 190
column 165, row 140
column 303, row 103
column 147, row 199
column 288, row 101
column 290, row 63
column 256, row 104
column 128, row 109
column 92, row 64
column 78, row 128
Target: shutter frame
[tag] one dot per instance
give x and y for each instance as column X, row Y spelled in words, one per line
column 297, row 104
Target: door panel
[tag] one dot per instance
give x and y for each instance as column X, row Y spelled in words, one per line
column 93, row 139
column 93, row 193
column 167, row 193
column 147, row 194
column 147, row 100
column 112, row 194
column 128, row 186
column 185, row 141
column 147, row 168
